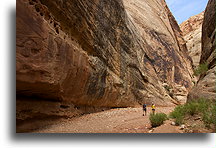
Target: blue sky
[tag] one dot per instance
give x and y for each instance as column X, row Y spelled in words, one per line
column 183, row 9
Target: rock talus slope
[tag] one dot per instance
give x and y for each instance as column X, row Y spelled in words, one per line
column 205, row 87
column 192, row 32
column 74, row 56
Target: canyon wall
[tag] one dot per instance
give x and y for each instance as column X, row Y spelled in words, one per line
column 192, row 32
column 205, row 88
column 79, row 56
column 163, row 44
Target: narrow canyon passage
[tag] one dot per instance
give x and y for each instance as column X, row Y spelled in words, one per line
column 77, row 58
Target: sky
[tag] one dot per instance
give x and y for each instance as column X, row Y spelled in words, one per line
column 183, row 9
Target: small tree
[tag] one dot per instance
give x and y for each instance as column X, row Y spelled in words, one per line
column 202, row 68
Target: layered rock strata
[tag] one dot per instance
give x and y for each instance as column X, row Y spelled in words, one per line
column 163, row 43
column 81, row 54
column 205, row 87
column 192, row 32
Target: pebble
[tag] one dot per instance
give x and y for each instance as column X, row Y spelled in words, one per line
column 173, row 123
column 190, row 131
column 150, row 131
column 182, row 127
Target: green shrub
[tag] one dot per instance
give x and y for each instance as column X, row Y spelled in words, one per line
column 202, row 68
column 207, row 119
column 203, row 107
column 191, row 108
column 209, row 115
column 179, row 120
column 204, row 104
column 178, row 114
column 157, row 119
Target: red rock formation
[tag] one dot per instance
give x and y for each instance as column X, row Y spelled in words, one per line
column 164, row 44
column 92, row 54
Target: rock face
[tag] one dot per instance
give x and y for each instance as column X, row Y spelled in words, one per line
column 83, row 54
column 192, row 32
column 205, row 87
column 192, row 24
column 163, row 43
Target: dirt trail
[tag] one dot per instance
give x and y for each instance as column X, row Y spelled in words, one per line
column 121, row 120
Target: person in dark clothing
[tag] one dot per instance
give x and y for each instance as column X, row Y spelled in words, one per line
column 144, row 109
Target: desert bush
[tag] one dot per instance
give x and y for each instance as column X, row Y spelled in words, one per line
column 191, row 108
column 209, row 115
column 202, row 68
column 203, row 107
column 204, row 104
column 178, row 114
column 157, row 119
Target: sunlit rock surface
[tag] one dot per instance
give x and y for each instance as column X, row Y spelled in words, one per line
column 83, row 56
column 205, row 88
column 192, row 32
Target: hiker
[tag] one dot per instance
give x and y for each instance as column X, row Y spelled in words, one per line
column 153, row 108
column 144, row 109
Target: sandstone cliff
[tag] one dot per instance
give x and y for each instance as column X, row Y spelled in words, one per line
column 163, row 43
column 192, row 32
column 205, row 87
column 79, row 56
